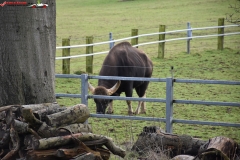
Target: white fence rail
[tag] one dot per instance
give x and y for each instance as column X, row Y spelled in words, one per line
column 148, row 43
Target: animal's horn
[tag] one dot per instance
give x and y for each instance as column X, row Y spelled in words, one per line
column 91, row 88
column 114, row 88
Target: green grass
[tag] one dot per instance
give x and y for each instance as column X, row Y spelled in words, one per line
column 223, row 65
column 77, row 19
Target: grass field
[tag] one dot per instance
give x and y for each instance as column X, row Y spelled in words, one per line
column 77, row 19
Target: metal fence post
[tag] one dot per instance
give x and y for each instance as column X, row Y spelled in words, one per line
column 84, row 91
column 189, row 34
column 169, row 104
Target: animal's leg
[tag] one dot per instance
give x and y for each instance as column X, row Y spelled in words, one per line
column 130, row 110
column 128, row 93
column 141, row 91
column 110, row 108
column 141, row 104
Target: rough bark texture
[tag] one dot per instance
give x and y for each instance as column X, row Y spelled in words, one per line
column 25, row 136
column 27, row 53
column 184, row 147
column 75, row 114
column 152, row 138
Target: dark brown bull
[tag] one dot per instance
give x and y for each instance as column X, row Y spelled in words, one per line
column 123, row 60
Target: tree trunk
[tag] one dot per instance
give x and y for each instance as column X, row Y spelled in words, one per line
column 27, row 53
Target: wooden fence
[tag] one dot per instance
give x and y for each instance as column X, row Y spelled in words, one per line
column 134, row 41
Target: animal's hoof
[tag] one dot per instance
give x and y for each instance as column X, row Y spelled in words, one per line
column 136, row 113
column 109, row 112
column 130, row 113
column 143, row 112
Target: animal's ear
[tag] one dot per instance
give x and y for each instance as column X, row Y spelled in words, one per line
column 114, row 88
column 91, row 88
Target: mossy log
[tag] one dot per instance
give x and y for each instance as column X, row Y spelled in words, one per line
column 46, row 131
column 86, row 138
column 40, row 111
column 75, row 114
column 153, row 138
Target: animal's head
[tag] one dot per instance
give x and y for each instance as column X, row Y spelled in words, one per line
column 102, row 104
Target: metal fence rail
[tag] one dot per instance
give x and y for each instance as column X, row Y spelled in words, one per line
column 169, row 120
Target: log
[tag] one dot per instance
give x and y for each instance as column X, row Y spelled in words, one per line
column 31, row 119
column 183, row 157
column 40, row 111
column 152, row 137
column 218, row 148
column 184, row 147
column 72, row 152
column 86, row 156
column 20, row 127
column 46, row 131
column 14, row 145
column 42, row 155
column 36, row 107
column 48, row 143
column 105, row 154
column 75, row 114
column 74, row 128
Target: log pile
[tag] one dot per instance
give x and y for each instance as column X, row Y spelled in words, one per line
column 184, row 147
column 48, row 132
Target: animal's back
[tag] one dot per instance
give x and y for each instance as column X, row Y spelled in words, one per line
column 125, row 60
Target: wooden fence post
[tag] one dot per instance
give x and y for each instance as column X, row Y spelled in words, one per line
column 89, row 59
column 111, row 44
column 161, row 46
column 134, row 41
column 66, row 52
column 220, row 31
column 189, row 34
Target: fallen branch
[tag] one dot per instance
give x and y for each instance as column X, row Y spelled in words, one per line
column 76, row 114
column 53, row 142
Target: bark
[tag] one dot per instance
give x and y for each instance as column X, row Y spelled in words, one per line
column 75, row 114
column 15, row 145
column 21, row 138
column 184, row 147
column 40, row 111
column 174, row 144
column 47, row 143
column 20, row 127
column 183, row 157
column 218, row 148
column 46, row 131
column 72, row 152
column 42, row 155
column 31, row 119
column 27, row 54
column 86, row 156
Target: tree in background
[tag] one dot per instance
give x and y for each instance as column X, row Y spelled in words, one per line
column 235, row 16
column 27, row 53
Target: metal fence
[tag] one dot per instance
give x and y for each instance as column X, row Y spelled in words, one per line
column 169, row 120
